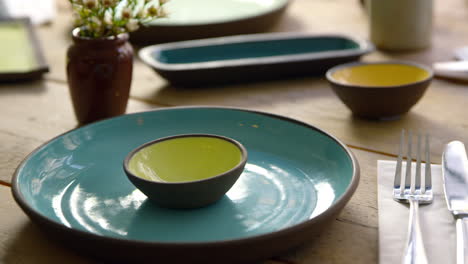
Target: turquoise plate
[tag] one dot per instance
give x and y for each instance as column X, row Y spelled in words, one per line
column 296, row 180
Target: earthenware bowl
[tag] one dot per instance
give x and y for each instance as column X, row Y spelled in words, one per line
column 186, row 171
column 382, row 90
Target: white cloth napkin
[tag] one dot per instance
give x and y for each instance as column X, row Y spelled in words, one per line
column 437, row 223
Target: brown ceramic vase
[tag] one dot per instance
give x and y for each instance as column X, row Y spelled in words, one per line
column 99, row 73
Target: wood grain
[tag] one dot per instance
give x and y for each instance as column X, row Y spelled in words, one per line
column 440, row 112
column 32, row 113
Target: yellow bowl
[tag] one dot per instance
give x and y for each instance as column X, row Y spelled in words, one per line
column 382, row 90
column 186, row 171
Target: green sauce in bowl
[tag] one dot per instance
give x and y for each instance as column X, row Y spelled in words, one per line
column 184, row 159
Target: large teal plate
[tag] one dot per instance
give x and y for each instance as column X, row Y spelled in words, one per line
column 297, row 178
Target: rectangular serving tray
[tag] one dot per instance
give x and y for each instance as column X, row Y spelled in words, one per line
column 251, row 57
column 40, row 66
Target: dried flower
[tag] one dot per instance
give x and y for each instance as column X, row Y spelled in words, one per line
column 162, row 12
column 108, row 3
column 152, row 10
column 105, row 18
column 90, row 4
column 95, row 22
column 126, row 13
column 132, row 25
column 142, row 13
column 108, row 19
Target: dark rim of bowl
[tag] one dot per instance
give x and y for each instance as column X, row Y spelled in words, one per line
column 147, row 144
column 329, row 212
column 401, row 62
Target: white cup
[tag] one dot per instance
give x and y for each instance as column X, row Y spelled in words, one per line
column 400, row 24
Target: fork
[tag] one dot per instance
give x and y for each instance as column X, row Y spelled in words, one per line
column 413, row 189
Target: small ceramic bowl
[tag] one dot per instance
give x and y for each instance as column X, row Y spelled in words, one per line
column 383, row 90
column 186, row 171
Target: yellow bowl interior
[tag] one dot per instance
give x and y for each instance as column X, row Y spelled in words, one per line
column 380, row 74
column 185, row 159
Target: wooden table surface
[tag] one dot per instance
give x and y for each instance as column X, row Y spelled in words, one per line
column 34, row 112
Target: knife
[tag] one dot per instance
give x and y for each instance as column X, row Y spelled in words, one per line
column 455, row 176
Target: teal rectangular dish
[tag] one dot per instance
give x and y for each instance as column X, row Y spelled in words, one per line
column 251, row 57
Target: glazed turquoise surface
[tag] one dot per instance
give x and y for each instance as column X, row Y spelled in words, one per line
column 254, row 49
column 293, row 174
column 188, row 12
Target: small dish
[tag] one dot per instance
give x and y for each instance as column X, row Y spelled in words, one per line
column 251, row 57
column 381, row 90
column 22, row 58
column 186, row 171
column 199, row 19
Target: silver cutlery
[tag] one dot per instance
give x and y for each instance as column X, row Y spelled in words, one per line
column 455, row 176
column 413, row 189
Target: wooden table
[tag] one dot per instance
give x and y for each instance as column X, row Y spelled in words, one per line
column 32, row 113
